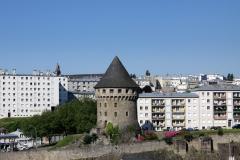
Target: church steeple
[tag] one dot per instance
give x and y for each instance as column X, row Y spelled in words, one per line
column 57, row 70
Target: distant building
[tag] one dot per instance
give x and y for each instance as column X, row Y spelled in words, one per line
column 23, row 95
column 116, row 95
column 82, row 85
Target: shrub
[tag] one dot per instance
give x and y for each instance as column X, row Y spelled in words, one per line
column 150, row 135
column 201, row 134
column 188, row 137
column 170, row 134
column 168, row 140
column 87, row 139
column 220, row 132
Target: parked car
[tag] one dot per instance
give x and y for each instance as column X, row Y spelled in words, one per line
column 215, row 128
column 236, row 126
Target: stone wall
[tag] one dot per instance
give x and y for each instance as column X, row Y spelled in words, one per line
column 100, row 151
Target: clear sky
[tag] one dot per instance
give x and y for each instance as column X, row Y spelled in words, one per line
column 164, row 36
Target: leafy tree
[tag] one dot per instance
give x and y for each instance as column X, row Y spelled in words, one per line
column 147, row 73
column 158, row 85
column 71, row 118
column 230, row 77
column 147, row 89
column 113, row 132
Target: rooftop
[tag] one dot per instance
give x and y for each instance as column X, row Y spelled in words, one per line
column 168, row 95
column 218, row 87
column 116, row 76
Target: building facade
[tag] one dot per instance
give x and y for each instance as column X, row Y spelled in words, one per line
column 28, row 95
column 209, row 105
column 168, row 110
column 82, row 85
column 116, row 95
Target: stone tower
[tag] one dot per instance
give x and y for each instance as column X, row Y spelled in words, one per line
column 116, row 95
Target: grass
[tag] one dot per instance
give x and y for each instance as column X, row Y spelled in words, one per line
column 68, row 140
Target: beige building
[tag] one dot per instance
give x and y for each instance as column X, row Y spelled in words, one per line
column 116, row 95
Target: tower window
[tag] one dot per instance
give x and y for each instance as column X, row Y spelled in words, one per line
column 115, row 104
column 127, row 114
column 104, row 91
column 115, row 114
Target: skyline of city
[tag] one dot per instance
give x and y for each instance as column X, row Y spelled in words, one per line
column 164, row 37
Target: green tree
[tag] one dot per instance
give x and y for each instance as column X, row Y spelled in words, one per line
column 113, row 133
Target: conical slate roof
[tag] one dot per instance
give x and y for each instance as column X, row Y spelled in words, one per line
column 116, row 76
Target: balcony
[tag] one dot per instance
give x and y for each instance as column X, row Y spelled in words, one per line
column 178, row 117
column 181, row 110
column 219, row 97
column 159, row 124
column 236, row 103
column 220, row 117
column 236, row 117
column 158, row 104
column 220, row 111
column 158, row 110
column 219, row 103
column 178, row 124
column 236, row 95
column 158, row 117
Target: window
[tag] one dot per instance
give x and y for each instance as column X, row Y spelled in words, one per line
column 111, row 90
column 115, row 104
column 105, row 105
column 202, row 93
column 119, row 90
column 115, row 114
column 146, row 108
column 208, row 100
column 141, row 121
column 100, row 113
column 208, row 93
column 104, row 91
column 127, row 114
column 146, row 114
column 105, row 113
column 208, row 107
column 141, row 108
column 189, row 100
column 100, row 104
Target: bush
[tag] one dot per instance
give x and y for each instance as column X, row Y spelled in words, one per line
column 201, row 134
column 170, row 134
column 168, row 140
column 87, row 139
column 188, row 137
column 149, row 135
column 220, row 132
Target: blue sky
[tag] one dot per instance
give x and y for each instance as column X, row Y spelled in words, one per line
column 170, row 36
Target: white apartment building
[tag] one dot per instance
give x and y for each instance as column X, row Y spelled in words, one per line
column 28, row 95
column 207, row 106
column 219, row 105
column 168, row 110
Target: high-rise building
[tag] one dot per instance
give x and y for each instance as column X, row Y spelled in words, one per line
column 28, row 95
